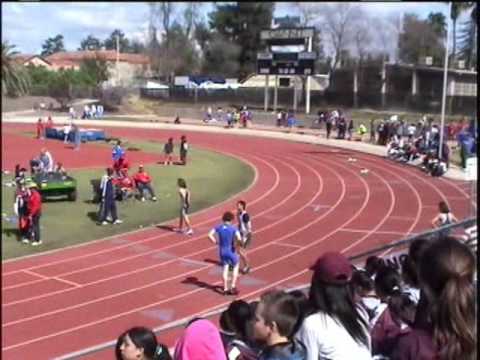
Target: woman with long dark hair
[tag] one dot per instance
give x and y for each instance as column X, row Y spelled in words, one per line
column 446, row 274
column 334, row 327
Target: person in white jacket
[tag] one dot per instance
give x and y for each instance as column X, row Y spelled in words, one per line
column 335, row 328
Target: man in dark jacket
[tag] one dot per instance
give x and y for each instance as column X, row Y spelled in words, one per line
column 108, row 205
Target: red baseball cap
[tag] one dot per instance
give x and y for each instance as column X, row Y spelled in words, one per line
column 333, row 268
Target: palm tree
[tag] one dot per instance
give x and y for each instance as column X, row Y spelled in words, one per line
column 457, row 9
column 468, row 39
column 15, row 79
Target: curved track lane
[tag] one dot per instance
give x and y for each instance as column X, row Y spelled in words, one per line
column 306, row 199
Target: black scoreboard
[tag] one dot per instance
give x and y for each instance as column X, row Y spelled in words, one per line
column 287, row 63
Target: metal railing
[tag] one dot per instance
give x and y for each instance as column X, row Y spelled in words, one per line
column 355, row 259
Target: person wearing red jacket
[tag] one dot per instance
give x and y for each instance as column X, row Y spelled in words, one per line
column 143, row 182
column 34, row 206
column 121, row 165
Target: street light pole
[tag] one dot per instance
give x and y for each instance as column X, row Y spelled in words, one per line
column 445, row 73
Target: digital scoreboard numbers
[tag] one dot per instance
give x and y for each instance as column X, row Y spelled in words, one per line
column 286, row 63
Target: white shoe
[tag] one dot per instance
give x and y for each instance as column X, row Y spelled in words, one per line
column 142, row 199
column 36, row 243
column 118, row 221
column 154, row 198
column 189, row 232
column 104, row 223
column 25, row 241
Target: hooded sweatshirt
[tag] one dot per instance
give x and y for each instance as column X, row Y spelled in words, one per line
column 200, row 341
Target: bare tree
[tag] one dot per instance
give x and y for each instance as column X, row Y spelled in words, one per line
column 338, row 21
column 308, row 11
column 190, row 14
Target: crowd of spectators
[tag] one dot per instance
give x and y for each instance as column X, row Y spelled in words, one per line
column 422, row 308
column 234, row 117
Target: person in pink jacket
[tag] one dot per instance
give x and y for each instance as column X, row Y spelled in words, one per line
column 200, row 341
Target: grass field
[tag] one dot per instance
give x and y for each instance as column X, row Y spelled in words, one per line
column 66, row 223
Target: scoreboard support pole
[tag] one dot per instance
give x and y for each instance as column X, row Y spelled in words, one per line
column 294, row 78
column 275, row 94
column 266, row 93
column 307, row 99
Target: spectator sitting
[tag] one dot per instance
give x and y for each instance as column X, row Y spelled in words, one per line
column 36, row 166
column 398, row 312
column 446, row 271
column 47, row 160
column 200, row 341
column 177, row 120
column 410, row 269
column 364, row 293
column 336, row 327
column 362, row 130
column 237, row 335
column 140, row 343
column 125, row 184
column 59, row 169
column 276, row 317
column 143, row 183
column 372, row 265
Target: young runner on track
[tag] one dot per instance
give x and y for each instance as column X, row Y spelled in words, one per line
column 184, row 194
column 228, row 239
column 245, row 228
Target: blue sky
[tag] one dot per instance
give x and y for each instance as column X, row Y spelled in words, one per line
column 27, row 25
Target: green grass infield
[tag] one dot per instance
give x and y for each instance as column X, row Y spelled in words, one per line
column 211, row 177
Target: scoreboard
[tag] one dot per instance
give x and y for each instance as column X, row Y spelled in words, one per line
column 291, row 63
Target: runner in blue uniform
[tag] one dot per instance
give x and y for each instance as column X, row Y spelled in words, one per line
column 228, row 240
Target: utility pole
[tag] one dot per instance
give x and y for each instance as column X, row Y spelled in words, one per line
column 118, row 60
column 445, row 73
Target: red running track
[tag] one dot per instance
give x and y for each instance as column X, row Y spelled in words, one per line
column 306, row 199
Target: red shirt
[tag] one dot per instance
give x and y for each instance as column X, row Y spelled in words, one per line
column 34, row 203
column 121, row 164
column 142, row 177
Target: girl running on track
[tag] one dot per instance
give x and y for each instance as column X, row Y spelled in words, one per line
column 245, row 227
column 184, row 194
column 445, row 217
column 228, row 239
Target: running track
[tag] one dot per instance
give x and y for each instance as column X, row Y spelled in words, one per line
column 306, row 199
